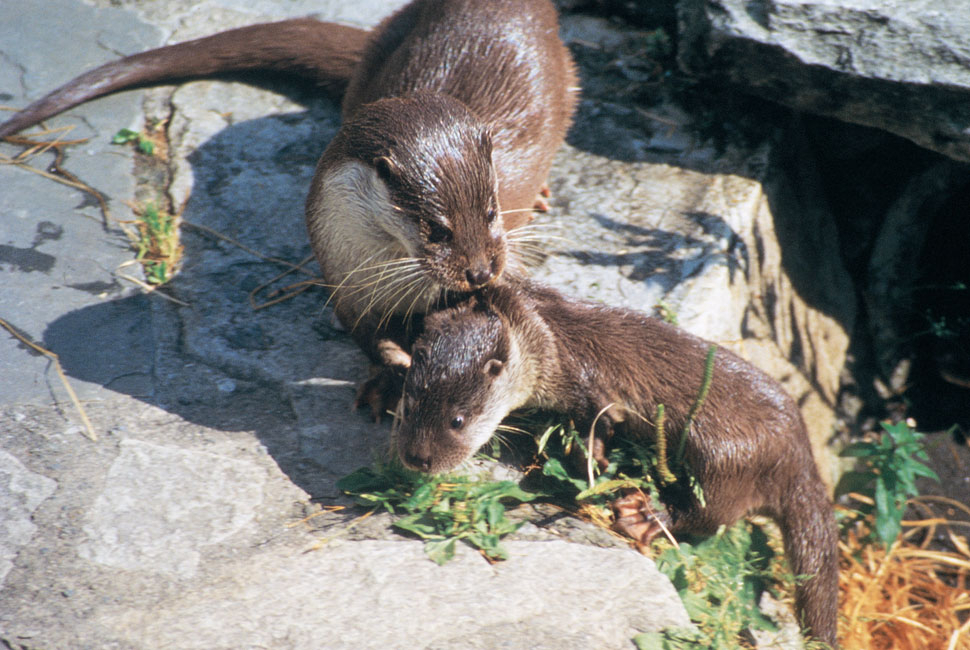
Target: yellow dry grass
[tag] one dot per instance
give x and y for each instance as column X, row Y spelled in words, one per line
column 909, row 596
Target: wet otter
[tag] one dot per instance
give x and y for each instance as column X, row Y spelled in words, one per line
column 453, row 111
column 519, row 344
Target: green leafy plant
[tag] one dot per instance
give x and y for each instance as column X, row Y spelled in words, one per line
column 440, row 509
column 140, row 140
column 890, row 466
column 720, row 580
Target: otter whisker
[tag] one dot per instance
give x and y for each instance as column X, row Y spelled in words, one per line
column 390, row 273
column 402, row 295
column 335, row 288
column 384, row 293
column 527, row 246
column 406, row 291
column 383, row 266
column 386, row 276
column 539, row 237
column 417, row 296
column 534, row 228
column 511, row 429
column 396, row 284
column 504, row 212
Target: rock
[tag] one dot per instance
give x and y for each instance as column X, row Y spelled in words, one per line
column 893, row 270
column 386, row 594
column 154, row 513
column 21, row 492
column 902, row 66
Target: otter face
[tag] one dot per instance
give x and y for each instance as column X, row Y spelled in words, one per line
column 454, row 390
column 443, row 182
column 433, row 157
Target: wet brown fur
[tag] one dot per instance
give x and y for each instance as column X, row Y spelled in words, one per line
column 524, row 345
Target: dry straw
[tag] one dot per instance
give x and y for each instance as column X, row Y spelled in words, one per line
column 909, row 596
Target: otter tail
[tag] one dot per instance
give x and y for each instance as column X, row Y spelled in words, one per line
column 322, row 53
column 811, row 543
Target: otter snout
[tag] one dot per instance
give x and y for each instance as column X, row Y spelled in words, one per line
column 482, row 272
column 480, row 275
column 420, row 461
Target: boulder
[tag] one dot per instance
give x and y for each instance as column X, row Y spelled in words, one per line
column 899, row 66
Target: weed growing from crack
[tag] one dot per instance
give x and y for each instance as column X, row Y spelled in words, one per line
column 157, row 242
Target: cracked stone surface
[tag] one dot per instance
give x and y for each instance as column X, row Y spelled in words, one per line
column 195, row 519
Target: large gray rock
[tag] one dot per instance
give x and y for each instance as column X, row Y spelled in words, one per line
column 899, row 66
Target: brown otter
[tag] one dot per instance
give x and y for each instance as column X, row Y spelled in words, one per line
column 519, row 344
column 453, row 111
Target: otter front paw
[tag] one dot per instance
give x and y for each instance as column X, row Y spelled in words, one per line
column 381, row 392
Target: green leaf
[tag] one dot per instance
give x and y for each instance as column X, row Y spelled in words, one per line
column 650, row 641
column 609, row 486
column 440, row 550
column 545, row 438
column 553, row 468
column 421, row 524
column 888, row 526
column 362, row 480
column 124, row 136
column 922, row 470
column 146, row 146
column 494, row 512
column 423, row 497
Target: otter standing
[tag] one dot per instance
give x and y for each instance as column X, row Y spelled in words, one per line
column 523, row 345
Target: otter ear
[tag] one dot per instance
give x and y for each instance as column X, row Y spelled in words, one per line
column 493, row 367
column 386, row 168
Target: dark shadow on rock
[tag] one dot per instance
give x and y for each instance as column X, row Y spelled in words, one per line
column 283, row 372
column 660, row 264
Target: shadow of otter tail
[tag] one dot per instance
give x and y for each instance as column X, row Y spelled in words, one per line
column 811, row 544
column 321, row 53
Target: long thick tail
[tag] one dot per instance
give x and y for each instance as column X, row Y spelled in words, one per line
column 811, row 543
column 322, row 53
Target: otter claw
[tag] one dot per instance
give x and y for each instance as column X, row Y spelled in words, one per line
column 635, row 517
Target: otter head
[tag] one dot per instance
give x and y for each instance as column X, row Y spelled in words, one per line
column 430, row 158
column 457, row 389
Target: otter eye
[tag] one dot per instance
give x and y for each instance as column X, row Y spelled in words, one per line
column 457, row 422
column 438, row 234
column 490, row 215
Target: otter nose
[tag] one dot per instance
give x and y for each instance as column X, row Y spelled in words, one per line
column 478, row 277
column 480, row 274
column 418, row 460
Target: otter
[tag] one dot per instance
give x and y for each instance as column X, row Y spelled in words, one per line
column 519, row 344
column 452, row 112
